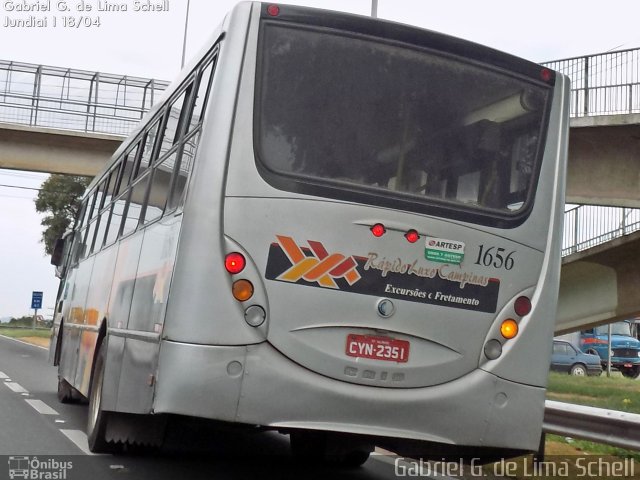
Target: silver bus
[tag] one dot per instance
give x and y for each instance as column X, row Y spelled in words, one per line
column 333, row 226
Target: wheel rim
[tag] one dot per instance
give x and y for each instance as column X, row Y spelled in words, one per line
column 579, row 371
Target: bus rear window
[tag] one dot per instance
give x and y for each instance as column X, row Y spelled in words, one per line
column 346, row 113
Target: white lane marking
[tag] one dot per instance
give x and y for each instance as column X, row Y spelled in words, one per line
column 79, row 438
column 24, row 343
column 3, row 375
column 16, row 387
column 41, row 407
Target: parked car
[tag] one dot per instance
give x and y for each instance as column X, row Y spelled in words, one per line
column 625, row 348
column 569, row 359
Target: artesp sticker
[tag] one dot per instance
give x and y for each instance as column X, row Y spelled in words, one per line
column 444, row 251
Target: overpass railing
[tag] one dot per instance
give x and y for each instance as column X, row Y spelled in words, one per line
column 45, row 96
column 586, row 226
column 603, row 84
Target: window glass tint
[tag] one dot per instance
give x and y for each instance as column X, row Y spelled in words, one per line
column 110, row 186
column 184, row 169
column 102, row 223
column 395, row 122
column 171, row 130
column 147, row 152
column 125, row 178
column 81, row 215
column 88, row 213
column 136, row 202
column 115, row 219
column 201, row 95
column 101, row 189
column 160, row 185
column 88, row 239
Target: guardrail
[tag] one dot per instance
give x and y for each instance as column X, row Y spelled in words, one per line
column 603, row 84
column 587, row 226
column 620, row 429
column 45, row 96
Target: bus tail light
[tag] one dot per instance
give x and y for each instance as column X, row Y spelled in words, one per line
column 234, row 263
column 509, row 328
column 242, row 290
column 522, row 306
column 378, row 230
column 412, row 236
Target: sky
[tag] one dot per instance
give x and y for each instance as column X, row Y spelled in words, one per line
column 149, row 44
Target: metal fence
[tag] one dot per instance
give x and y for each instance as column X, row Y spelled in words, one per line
column 587, row 226
column 44, row 96
column 603, row 84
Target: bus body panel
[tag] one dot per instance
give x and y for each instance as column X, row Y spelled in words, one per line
column 213, row 318
column 277, row 392
column 149, row 291
column 310, row 323
column 74, row 315
column 252, row 201
column 95, row 313
column 519, row 354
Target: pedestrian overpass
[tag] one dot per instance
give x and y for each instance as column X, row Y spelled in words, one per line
column 70, row 121
column 61, row 120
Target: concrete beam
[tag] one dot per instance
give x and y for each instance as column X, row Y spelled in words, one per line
column 600, row 285
column 55, row 151
column 604, row 161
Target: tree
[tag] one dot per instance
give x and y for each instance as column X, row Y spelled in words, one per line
column 59, row 198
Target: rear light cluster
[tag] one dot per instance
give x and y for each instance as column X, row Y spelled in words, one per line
column 379, row 230
column 242, row 289
column 508, row 328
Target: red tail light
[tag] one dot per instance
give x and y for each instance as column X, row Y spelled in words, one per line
column 412, row 236
column 522, row 306
column 234, row 262
column 378, row 230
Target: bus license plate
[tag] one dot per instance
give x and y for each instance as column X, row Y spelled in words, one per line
column 378, row 348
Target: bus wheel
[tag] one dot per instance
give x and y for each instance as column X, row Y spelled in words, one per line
column 98, row 418
column 329, row 449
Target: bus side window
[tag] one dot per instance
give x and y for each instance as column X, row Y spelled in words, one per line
column 202, row 94
column 81, row 214
column 159, row 190
column 110, row 186
column 147, row 156
column 184, row 167
column 135, row 203
column 88, row 239
column 127, row 169
column 115, row 219
column 173, row 127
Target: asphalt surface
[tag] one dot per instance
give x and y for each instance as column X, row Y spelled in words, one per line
column 39, row 434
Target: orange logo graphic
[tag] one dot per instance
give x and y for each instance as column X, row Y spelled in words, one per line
column 322, row 268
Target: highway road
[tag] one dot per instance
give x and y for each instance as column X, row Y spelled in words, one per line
column 36, row 428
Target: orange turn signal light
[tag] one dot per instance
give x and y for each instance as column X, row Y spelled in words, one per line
column 509, row 328
column 242, row 290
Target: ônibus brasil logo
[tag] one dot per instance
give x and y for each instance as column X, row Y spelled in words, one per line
column 321, row 267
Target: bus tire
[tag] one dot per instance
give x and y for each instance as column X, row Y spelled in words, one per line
column 315, row 448
column 98, row 418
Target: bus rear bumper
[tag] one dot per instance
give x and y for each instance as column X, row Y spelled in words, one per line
column 257, row 385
